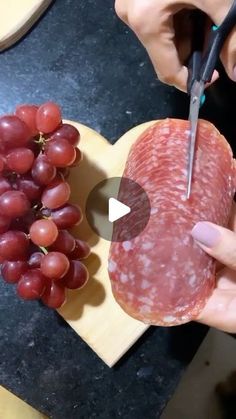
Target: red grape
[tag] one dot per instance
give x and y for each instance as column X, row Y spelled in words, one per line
column 81, row 250
column 67, row 216
column 48, row 117
column 14, row 204
column 33, row 169
column 27, row 113
column 13, row 131
column 43, row 232
column 67, row 131
column 30, row 188
column 4, row 185
column 56, row 194
column 78, row 158
column 54, row 265
column 20, row 160
column 76, row 277
column 60, row 152
column 35, row 260
column 64, row 243
column 14, row 245
column 31, row 285
column 12, row 270
column 4, row 223
column 54, row 296
column 42, row 170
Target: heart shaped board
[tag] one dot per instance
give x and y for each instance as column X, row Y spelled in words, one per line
column 92, row 311
column 11, row 407
column 17, row 17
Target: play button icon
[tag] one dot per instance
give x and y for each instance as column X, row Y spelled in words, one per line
column 117, row 209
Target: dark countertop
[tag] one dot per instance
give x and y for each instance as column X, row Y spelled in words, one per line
column 84, row 58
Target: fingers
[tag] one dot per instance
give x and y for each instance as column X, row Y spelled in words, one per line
column 217, row 241
column 152, row 22
column 220, row 311
column 226, row 279
column 158, row 38
column 166, row 63
column 228, row 56
column 121, row 9
column 217, row 11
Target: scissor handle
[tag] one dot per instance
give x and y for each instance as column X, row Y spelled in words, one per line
column 216, row 41
column 197, row 42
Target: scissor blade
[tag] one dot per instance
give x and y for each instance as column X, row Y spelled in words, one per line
column 195, row 101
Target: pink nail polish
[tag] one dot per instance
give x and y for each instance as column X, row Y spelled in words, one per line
column 206, row 234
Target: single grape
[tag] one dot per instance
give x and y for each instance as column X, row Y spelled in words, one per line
column 60, row 152
column 13, row 131
column 67, row 131
column 54, row 296
column 4, row 223
column 55, row 194
column 31, row 285
column 64, row 243
column 14, row 204
column 35, row 259
column 27, row 113
column 14, row 245
column 54, row 265
column 31, row 189
column 4, row 185
column 43, row 232
column 12, row 270
column 48, row 117
column 76, row 277
column 78, row 158
column 67, row 216
column 81, row 250
column 20, row 160
column 42, row 171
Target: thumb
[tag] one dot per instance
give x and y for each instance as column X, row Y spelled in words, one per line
column 228, row 55
column 219, row 242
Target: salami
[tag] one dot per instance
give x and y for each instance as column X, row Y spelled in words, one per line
column 162, row 277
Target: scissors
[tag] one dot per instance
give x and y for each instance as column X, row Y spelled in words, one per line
column 201, row 67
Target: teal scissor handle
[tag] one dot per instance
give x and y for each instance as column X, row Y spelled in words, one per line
column 216, row 41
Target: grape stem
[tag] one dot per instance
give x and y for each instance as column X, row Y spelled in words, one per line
column 44, row 250
column 41, row 140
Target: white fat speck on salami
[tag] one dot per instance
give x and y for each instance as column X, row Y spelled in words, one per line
column 172, row 278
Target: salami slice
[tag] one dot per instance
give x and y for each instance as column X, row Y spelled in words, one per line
column 162, row 277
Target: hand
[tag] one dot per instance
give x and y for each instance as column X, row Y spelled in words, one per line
column 164, row 29
column 220, row 310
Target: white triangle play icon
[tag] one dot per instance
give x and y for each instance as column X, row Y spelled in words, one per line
column 117, row 210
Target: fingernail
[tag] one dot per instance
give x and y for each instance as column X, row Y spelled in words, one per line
column 206, row 234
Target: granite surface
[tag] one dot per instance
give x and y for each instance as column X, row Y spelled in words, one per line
column 83, row 57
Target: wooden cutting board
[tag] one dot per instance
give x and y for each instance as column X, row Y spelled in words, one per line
column 11, row 407
column 17, row 17
column 93, row 312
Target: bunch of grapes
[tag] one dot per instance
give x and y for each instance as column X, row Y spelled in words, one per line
column 37, row 252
